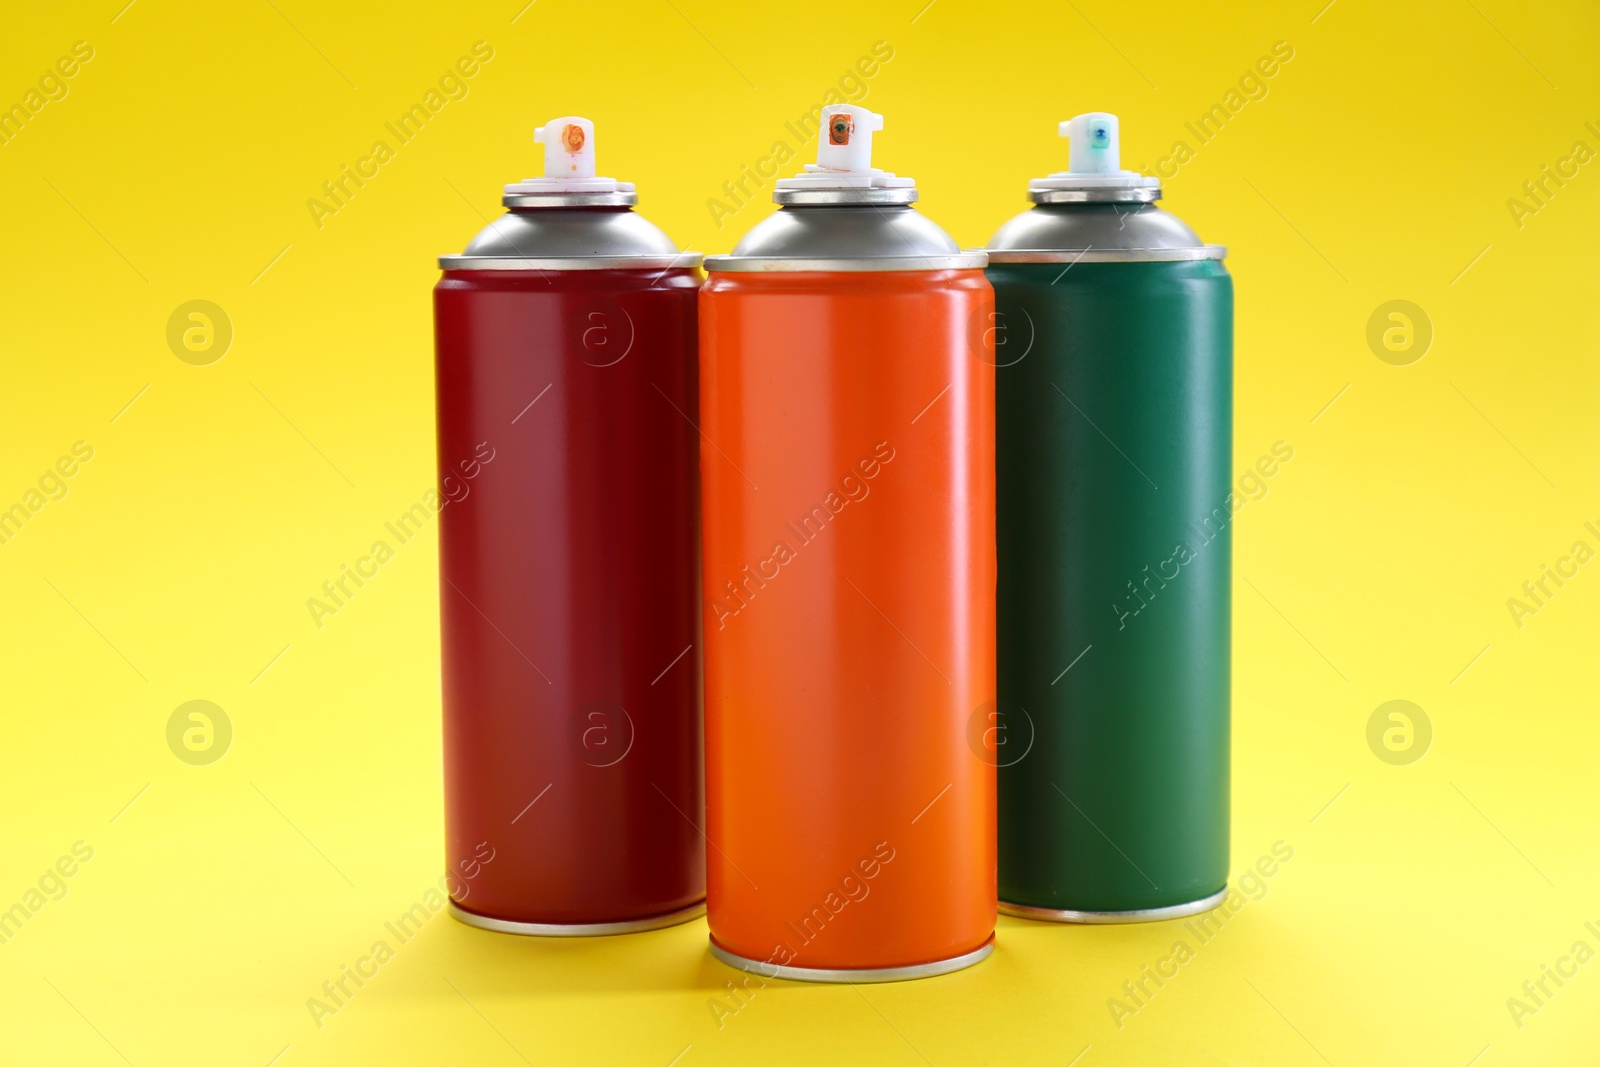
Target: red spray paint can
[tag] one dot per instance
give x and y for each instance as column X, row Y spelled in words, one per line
column 568, row 545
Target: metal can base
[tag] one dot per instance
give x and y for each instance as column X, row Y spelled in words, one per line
column 1138, row 915
column 852, row 974
column 631, row 926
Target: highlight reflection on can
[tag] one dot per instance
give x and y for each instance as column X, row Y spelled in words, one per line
column 1114, row 414
column 567, row 390
column 848, row 582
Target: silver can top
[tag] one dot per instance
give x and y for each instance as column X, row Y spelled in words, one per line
column 1091, row 232
column 843, row 214
column 569, row 219
column 570, row 238
column 1096, row 212
column 846, row 237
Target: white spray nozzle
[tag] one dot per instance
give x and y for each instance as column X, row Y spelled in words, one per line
column 845, row 140
column 844, row 154
column 1095, row 161
column 568, row 161
column 568, row 147
column 1094, row 147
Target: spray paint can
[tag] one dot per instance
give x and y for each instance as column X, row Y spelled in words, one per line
column 1114, row 413
column 568, row 550
column 849, row 581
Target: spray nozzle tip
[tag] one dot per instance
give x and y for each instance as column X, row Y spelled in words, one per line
column 568, row 162
column 844, row 158
column 1095, row 147
column 1095, row 163
column 846, row 141
column 568, row 147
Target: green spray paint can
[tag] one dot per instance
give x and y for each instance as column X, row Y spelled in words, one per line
column 1114, row 328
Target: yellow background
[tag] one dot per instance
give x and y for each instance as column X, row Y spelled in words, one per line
column 1378, row 167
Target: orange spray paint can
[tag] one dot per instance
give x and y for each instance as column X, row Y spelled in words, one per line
column 847, row 461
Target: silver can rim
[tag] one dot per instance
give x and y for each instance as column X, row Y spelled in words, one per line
column 631, row 926
column 618, row 199
column 779, row 264
column 1138, row 195
column 655, row 262
column 855, row 975
column 837, row 197
column 1106, row 255
column 1106, row 918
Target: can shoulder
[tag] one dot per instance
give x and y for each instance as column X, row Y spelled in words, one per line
column 570, row 233
column 1106, row 227
column 845, row 232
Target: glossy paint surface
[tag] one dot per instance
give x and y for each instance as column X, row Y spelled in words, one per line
column 569, row 592
column 1115, row 406
column 849, row 571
